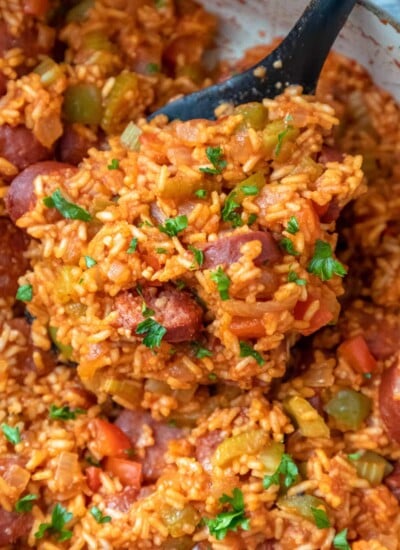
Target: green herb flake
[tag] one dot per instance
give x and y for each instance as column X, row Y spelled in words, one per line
column 180, row 285
column 153, row 331
column 321, row 518
column 173, row 226
column 199, row 351
column 323, row 265
column 230, row 520
column 25, row 503
column 293, row 278
column 215, row 156
column 64, row 413
column 230, row 211
column 132, row 246
column 286, row 473
column 198, row 256
column 25, row 293
column 161, row 251
column 367, row 375
column 146, row 311
column 92, row 461
column 152, row 68
column 250, row 190
column 288, row 246
column 355, row 456
column 222, row 281
column 12, row 435
column 201, row 193
column 90, row 262
column 212, row 376
column 281, row 137
column 293, row 226
column 114, row 164
column 67, row 209
column 340, row 541
column 246, row 350
column 98, row 515
column 59, row 518
column 251, row 219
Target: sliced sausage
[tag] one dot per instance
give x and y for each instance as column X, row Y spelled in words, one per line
column 393, row 481
column 123, row 500
column 36, row 7
column 32, row 40
column 330, row 154
column 13, row 526
column 175, row 310
column 389, row 401
column 205, row 447
column 3, row 84
column 226, row 250
column 13, row 264
column 21, row 197
column 20, row 147
column 132, row 422
column 73, row 146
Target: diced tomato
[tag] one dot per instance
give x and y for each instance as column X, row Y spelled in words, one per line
column 128, row 472
column 356, row 353
column 320, row 209
column 109, row 439
column 243, row 327
column 93, row 478
column 324, row 315
column 36, row 7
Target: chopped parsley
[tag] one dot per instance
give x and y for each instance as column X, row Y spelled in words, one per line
column 198, row 256
column 249, row 190
column 98, row 515
column 215, row 156
column 64, row 413
column 293, row 278
column 25, row 503
column 222, row 281
column 321, row 518
column 146, row 311
column 92, row 461
column 180, row 285
column 12, row 435
column 67, row 209
column 153, row 331
column 145, row 223
column 132, row 246
column 230, row 520
column 355, row 456
column 25, row 293
column 286, row 473
column 293, row 226
column 340, row 541
column 212, row 376
column 114, row 164
column 161, row 251
column 201, row 193
column 323, row 265
column 173, row 226
column 367, row 375
column 230, row 211
column 200, row 352
column 59, row 518
column 90, row 262
column 246, row 350
column 281, row 137
column 288, row 246
column 251, row 219
column 152, row 68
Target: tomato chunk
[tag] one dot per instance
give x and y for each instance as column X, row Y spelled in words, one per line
column 110, row 440
column 128, row 472
column 356, row 353
column 243, row 327
column 36, row 7
column 93, row 478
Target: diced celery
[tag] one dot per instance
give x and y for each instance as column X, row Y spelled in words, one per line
column 310, row 423
column 372, row 467
column 301, row 504
column 83, row 103
column 79, row 12
column 349, row 409
column 271, row 457
column 49, row 71
column 65, row 350
column 250, row 442
column 255, row 115
column 177, row 520
column 128, row 391
column 118, row 104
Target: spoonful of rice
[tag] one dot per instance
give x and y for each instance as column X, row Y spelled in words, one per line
column 298, row 60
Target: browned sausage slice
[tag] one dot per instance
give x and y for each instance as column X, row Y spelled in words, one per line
column 21, row 197
column 330, row 154
column 389, row 401
column 226, row 250
column 13, row 264
column 13, row 526
column 175, row 310
column 20, row 147
column 393, row 481
column 73, row 146
column 32, row 40
column 205, row 447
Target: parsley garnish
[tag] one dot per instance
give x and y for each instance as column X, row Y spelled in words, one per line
column 212, row 376
column 114, row 164
column 321, row 518
column 98, row 515
column 59, row 517
column 251, row 219
column 146, row 311
column 293, row 225
column 154, row 332
column 64, row 413
column 250, row 189
column 89, row 262
column 281, row 137
column 355, row 456
column 161, row 251
column 229, row 521
column 367, row 375
column 223, row 282
column 323, row 265
column 200, row 352
column 92, row 461
column 25, row 503
column 214, row 155
column 11, row 434
column 67, row 209
column 201, row 193
column 340, row 541
column 153, row 68
column 246, row 350
column 180, row 285
column 288, row 246
column 286, row 472
column 25, row 293
column 132, row 246
column 293, row 278
column 198, row 256
column 173, row 226
column 229, row 211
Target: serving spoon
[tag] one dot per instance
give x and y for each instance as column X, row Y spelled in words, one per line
column 297, row 60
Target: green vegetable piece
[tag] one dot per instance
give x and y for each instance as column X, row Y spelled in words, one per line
column 255, row 115
column 229, row 521
column 251, row 219
column 199, row 351
column 198, row 256
column 288, row 246
column 114, row 164
column 65, row 350
column 222, row 281
column 276, row 134
column 323, row 265
column 90, row 262
column 25, row 504
column 49, row 71
column 161, row 251
column 293, row 225
column 340, row 541
column 201, row 193
column 310, row 423
column 152, row 68
column 25, row 293
column 79, row 12
column 215, row 156
column 11, row 434
column 118, row 105
column 146, row 311
column 173, row 226
column 212, row 376
column 249, row 190
column 372, row 466
column 355, row 456
column 83, row 103
column 293, row 278
column 281, row 137
column 321, row 518
column 285, row 474
column 130, row 137
column 304, row 506
column 246, row 350
column 98, row 515
column 153, row 331
column 177, row 520
column 132, row 246
column 250, row 186
column 249, row 442
column 349, row 409
column 230, row 211
column 97, row 41
column 67, row 209
column 64, row 413
column 59, row 518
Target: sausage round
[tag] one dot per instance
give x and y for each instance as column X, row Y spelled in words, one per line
column 13, row 264
column 13, row 526
column 389, row 402
column 73, row 146
column 20, row 147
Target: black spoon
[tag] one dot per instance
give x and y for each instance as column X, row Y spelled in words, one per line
column 297, row 60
